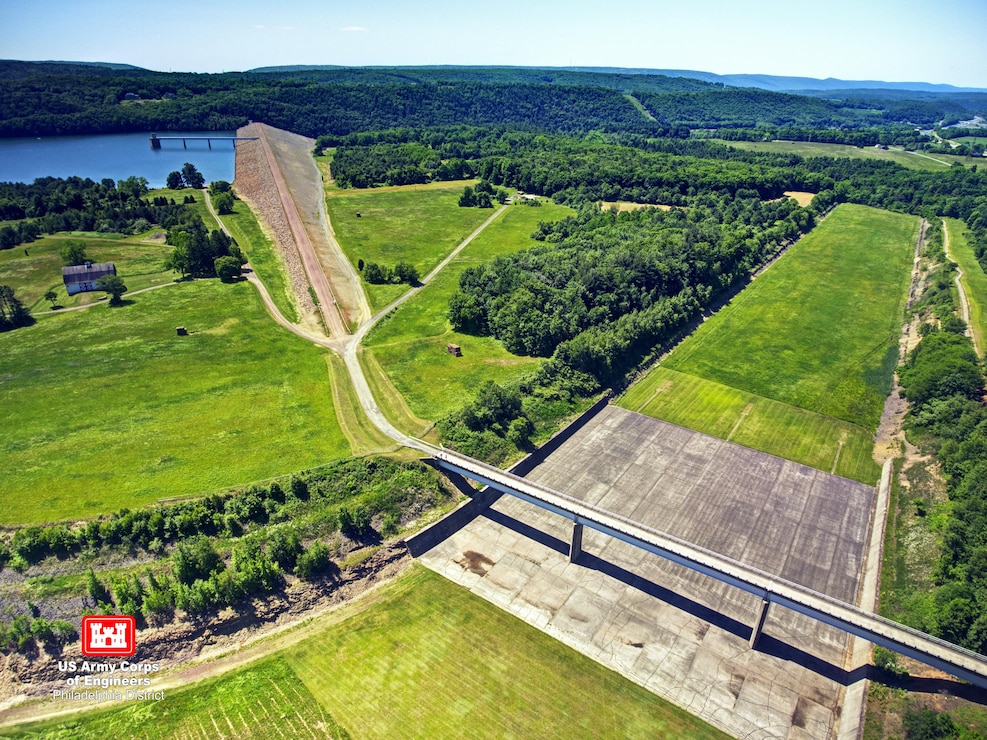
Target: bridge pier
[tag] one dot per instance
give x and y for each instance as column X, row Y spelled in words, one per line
column 756, row 633
column 576, row 547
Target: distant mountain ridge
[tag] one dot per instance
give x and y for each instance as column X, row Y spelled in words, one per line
column 779, row 83
column 776, row 83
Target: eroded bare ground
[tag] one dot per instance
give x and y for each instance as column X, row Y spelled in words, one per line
column 191, row 649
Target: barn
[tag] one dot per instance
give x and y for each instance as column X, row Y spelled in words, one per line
column 82, row 278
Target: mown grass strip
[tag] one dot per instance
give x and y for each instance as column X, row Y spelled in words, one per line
column 819, row 330
column 756, row 422
column 264, row 700
column 390, row 400
column 363, row 437
column 107, row 408
column 264, row 258
column 433, row 660
column 974, row 280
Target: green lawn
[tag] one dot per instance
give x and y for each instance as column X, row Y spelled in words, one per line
column 264, row 700
column 911, row 160
column 410, row 345
column 819, row 329
column 139, row 261
column 264, row 258
column 107, row 407
column 416, row 224
column 433, row 660
column 419, row 658
column 974, row 280
column 756, row 422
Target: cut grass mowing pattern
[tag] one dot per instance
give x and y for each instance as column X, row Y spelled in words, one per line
column 819, row 330
column 410, row 345
column 416, row 224
column 974, row 280
column 265, row 701
column 433, row 660
column 107, row 408
column 756, row 422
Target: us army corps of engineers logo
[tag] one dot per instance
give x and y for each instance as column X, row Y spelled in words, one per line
column 109, row 636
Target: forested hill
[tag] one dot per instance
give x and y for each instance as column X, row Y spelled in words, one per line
column 44, row 99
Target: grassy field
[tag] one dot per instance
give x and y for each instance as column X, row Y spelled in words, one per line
column 419, row 224
column 264, row 258
column 433, row 660
column 419, row 658
column 266, row 700
column 107, row 408
column 819, row 330
column 139, row 260
column 814, row 149
column 410, row 345
column 756, row 422
column 974, row 280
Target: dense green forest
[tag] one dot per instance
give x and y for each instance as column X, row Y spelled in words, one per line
column 44, row 99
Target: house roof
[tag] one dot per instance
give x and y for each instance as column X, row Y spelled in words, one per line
column 87, row 272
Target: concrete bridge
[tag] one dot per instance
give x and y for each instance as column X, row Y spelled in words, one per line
column 963, row 664
column 156, row 140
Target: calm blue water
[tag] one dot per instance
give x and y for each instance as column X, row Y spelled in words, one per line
column 114, row 155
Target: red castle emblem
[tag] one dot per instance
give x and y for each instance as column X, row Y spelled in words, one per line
column 108, row 635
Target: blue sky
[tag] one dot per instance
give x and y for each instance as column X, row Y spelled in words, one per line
column 899, row 40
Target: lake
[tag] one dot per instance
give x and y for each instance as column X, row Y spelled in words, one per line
column 114, row 155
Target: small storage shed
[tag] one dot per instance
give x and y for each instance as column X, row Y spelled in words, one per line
column 454, row 350
column 82, row 278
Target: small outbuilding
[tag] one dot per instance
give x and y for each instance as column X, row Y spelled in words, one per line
column 82, row 278
column 454, row 349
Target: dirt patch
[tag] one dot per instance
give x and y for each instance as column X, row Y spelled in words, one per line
column 475, row 562
column 622, row 206
column 803, row 199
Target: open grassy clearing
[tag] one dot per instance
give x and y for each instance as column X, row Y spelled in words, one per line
column 419, row 224
column 107, row 408
column 756, row 422
column 819, row 330
column 914, row 161
column 433, row 660
column 139, row 259
column 974, row 280
column 622, row 206
column 264, row 700
column 410, row 345
column 264, row 258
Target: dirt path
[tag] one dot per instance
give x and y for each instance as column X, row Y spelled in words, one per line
column 964, row 301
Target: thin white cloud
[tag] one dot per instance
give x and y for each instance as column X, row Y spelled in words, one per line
column 354, row 29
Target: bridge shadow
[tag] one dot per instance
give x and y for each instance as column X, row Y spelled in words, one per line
column 766, row 644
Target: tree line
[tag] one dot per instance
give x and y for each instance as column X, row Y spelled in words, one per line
column 51, row 204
